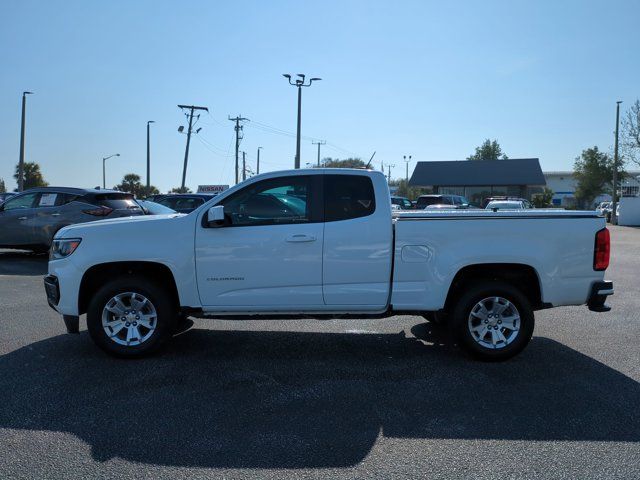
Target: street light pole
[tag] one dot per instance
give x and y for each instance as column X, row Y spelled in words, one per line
column 104, row 175
column 244, row 166
column 407, row 165
column 148, row 158
column 614, row 217
column 299, row 83
column 22, row 132
column 258, row 161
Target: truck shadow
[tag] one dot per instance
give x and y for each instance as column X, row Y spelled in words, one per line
column 14, row 262
column 265, row 399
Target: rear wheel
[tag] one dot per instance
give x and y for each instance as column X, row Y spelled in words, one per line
column 493, row 320
column 130, row 316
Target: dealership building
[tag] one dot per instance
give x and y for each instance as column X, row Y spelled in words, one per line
column 477, row 180
column 563, row 184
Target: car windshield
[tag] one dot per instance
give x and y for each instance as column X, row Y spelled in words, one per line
column 433, row 200
column 505, row 205
column 181, row 203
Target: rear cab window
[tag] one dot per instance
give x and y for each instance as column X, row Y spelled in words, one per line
column 347, row 197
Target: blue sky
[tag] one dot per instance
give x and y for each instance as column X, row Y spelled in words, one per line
column 429, row 79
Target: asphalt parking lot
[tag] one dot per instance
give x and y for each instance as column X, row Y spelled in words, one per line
column 314, row 399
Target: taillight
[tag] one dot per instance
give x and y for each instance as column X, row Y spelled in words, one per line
column 99, row 212
column 602, row 250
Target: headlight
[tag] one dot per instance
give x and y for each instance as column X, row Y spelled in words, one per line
column 63, row 247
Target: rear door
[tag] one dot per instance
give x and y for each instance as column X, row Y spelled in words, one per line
column 358, row 237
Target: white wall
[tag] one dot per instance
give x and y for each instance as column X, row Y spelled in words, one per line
column 629, row 213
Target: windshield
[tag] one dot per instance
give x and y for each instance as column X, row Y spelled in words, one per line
column 505, row 205
column 433, row 200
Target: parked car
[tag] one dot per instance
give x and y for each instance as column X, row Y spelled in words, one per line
column 403, row 203
column 249, row 252
column 30, row 219
column 153, row 208
column 183, row 202
column 525, row 202
column 506, row 205
column 454, row 201
column 5, row 196
column 605, row 209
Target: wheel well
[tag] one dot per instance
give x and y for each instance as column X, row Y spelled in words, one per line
column 95, row 276
column 523, row 277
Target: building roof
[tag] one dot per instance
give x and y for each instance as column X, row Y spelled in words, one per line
column 520, row 171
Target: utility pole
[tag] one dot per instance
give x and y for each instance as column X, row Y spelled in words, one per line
column 22, row 131
column 614, row 217
column 299, row 83
column 148, row 158
column 319, row 142
column 238, row 129
column 389, row 167
column 244, row 165
column 258, row 162
column 191, row 109
column 407, row 165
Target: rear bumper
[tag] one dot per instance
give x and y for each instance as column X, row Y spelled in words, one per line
column 599, row 293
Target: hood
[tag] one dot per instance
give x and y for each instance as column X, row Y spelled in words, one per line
column 79, row 228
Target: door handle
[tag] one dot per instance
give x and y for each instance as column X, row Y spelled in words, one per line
column 22, row 218
column 55, row 214
column 297, row 238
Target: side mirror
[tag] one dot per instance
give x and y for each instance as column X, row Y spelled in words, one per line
column 215, row 216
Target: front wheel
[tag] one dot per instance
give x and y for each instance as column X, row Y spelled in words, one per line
column 130, row 316
column 493, row 320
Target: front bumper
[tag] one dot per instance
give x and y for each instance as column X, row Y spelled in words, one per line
column 599, row 293
column 52, row 289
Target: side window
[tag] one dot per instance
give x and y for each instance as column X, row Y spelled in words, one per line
column 348, row 196
column 21, row 201
column 49, row 199
column 457, row 200
column 270, row 202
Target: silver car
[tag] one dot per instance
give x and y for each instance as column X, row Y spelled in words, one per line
column 30, row 219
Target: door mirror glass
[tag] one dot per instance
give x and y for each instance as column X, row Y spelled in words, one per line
column 215, row 216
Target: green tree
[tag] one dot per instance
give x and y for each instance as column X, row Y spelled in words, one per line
column 593, row 171
column 489, row 150
column 180, row 190
column 32, row 175
column 630, row 138
column 131, row 184
column 543, row 199
column 3, row 187
column 404, row 190
column 147, row 192
column 346, row 163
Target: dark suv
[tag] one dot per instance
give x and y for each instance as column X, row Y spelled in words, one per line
column 456, row 201
column 30, row 219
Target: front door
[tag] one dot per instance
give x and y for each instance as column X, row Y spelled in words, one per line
column 16, row 220
column 268, row 255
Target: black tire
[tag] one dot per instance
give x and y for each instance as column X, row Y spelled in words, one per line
column 487, row 289
column 159, row 298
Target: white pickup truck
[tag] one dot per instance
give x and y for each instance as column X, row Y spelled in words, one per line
column 324, row 243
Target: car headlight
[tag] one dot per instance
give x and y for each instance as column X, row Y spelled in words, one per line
column 63, row 247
